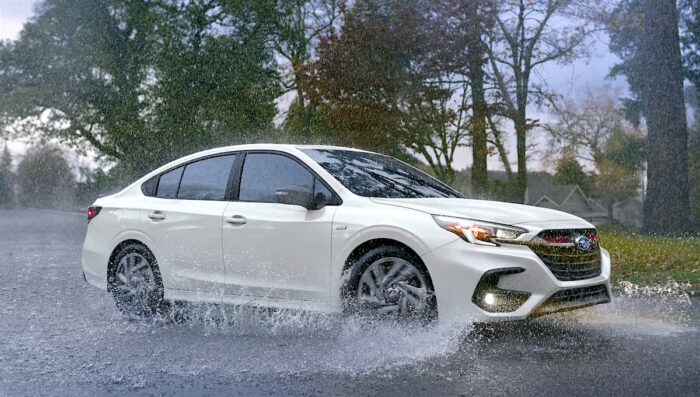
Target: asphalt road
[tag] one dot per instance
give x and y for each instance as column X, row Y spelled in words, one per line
column 59, row 336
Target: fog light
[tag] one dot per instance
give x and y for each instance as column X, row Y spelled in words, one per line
column 492, row 299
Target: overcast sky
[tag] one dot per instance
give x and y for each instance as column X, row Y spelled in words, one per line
column 566, row 80
column 13, row 14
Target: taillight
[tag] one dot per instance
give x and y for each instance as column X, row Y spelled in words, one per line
column 92, row 212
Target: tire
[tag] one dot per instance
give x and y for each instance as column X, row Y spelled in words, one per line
column 135, row 283
column 390, row 282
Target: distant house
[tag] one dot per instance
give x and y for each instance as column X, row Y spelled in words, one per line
column 542, row 192
column 629, row 211
column 568, row 198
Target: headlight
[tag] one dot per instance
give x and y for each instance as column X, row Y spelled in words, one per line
column 478, row 232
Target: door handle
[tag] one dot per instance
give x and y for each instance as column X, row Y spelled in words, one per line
column 156, row 216
column 237, row 220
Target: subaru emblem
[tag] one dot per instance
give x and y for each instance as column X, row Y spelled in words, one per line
column 582, row 243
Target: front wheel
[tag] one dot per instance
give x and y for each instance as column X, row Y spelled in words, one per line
column 390, row 282
column 135, row 283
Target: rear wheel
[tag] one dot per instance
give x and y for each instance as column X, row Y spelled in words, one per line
column 390, row 282
column 135, row 283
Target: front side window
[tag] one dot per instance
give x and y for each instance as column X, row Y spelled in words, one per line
column 265, row 173
column 375, row 175
column 206, row 179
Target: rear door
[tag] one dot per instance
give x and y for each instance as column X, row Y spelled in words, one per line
column 184, row 220
column 276, row 250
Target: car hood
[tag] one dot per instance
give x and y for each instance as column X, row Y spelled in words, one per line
column 485, row 210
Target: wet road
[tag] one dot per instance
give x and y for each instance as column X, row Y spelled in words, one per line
column 59, row 336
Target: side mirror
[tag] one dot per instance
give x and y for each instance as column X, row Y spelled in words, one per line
column 296, row 195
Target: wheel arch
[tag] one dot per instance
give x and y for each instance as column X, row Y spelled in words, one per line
column 370, row 244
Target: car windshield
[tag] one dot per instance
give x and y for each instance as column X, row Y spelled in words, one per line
column 375, row 175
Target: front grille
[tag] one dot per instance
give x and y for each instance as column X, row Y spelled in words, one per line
column 574, row 298
column 556, row 248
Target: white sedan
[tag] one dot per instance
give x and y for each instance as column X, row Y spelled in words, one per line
column 339, row 230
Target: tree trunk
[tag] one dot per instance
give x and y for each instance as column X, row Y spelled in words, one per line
column 501, row 150
column 480, row 111
column 521, row 146
column 303, row 114
column 667, row 204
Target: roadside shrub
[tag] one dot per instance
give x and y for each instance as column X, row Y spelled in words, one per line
column 44, row 179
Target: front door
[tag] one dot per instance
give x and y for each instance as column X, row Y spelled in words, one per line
column 276, row 250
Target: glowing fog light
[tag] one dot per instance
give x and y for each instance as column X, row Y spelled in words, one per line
column 488, row 297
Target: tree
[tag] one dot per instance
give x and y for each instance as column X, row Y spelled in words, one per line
column 299, row 25
column 593, row 129
column 44, row 178
column 216, row 79
column 620, row 166
column 667, row 206
column 694, row 171
column 625, row 25
column 459, row 53
column 455, row 56
column 570, row 172
column 581, row 127
column 80, row 64
column 367, row 87
column 464, row 26
column 526, row 38
column 143, row 82
column 690, row 40
column 7, row 186
column 479, row 20
column 385, row 97
column 693, row 100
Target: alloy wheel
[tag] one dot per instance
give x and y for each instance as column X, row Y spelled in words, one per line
column 135, row 289
column 393, row 287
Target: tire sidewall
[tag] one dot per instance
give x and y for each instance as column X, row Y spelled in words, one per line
column 157, row 305
column 349, row 293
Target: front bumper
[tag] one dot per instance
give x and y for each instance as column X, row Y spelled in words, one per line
column 456, row 269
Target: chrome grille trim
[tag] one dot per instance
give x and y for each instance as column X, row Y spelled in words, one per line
column 565, row 260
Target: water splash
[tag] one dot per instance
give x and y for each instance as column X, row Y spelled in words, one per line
column 294, row 342
column 636, row 310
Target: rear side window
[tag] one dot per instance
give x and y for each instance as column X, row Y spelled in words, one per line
column 167, row 186
column 265, row 173
column 206, row 179
column 149, row 187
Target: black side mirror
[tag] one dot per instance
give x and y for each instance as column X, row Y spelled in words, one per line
column 296, row 195
column 320, row 201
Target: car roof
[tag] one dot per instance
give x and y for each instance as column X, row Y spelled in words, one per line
column 251, row 146
column 267, row 146
column 272, row 146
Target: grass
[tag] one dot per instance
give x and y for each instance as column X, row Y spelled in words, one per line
column 646, row 260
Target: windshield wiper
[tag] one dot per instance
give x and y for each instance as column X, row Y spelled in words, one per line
column 395, row 185
column 445, row 190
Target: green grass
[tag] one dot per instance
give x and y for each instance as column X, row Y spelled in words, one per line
column 647, row 260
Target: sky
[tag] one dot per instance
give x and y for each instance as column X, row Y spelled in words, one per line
column 13, row 14
column 567, row 80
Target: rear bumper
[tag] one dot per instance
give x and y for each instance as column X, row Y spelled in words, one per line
column 94, row 260
column 457, row 268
